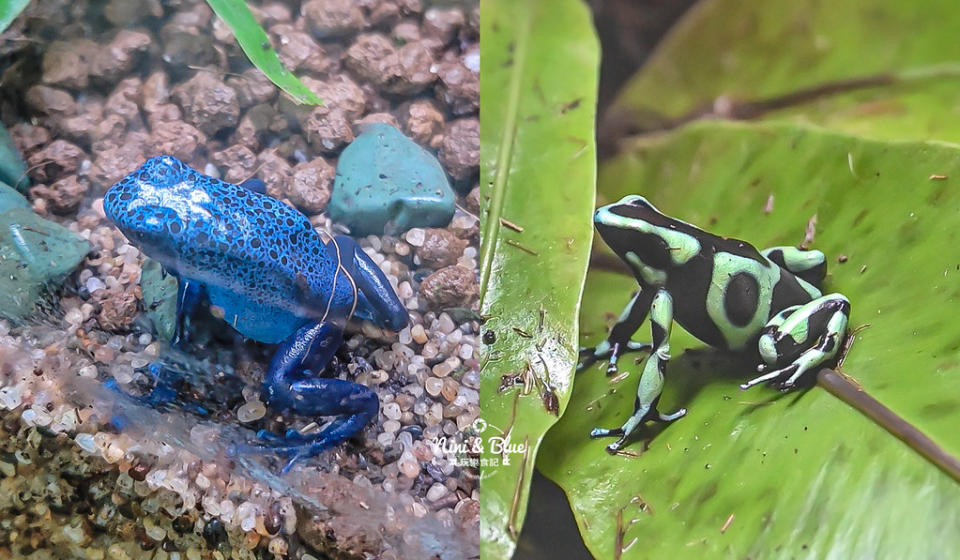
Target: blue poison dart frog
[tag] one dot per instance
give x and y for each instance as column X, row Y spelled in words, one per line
column 722, row 291
column 276, row 280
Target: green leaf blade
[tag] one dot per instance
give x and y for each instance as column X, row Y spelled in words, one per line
column 801, row 474
column 256, row 45
column 538, row 172
column 806, row 55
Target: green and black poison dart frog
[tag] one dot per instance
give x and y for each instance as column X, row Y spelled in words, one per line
column 722, row 291
column 276, row 280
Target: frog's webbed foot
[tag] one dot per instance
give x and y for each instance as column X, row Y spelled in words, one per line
column 167, row 382
column 355, row 405
column 789, row 347
column 618, row 340
column 611, row 352
column 286, row 388
column 652, row 415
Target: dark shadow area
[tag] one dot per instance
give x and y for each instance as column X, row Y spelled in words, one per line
column 550, row 532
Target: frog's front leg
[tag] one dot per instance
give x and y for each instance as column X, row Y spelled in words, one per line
column 291, row 385
column 189, row 296
column 800, row 339
column 618, row 340
column 376, row 299
column 651, row 380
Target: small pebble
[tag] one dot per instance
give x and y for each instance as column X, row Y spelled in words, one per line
column 450, row 388
column 251, row 411
column 436, row 492
column 419, row 335
column 415, row 237
column 392, row 411
column 434, row 385
column 94, row 283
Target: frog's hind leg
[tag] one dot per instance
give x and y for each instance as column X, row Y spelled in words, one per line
column 810, row 265
column 618, row 340
column 651, row 380
column 189, row 296
column 800, row 339
column 291, row 385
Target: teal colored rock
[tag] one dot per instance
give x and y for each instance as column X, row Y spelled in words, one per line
column 386, row 182
column 159, row 298
column 10, row 198
column 35, row 254
column 13, row 171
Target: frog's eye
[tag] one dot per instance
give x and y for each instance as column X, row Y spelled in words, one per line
column 161, row 171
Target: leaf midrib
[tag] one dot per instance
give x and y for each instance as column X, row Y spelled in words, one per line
column 491, row 229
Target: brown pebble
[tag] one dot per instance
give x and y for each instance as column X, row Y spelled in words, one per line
column 118, row 309
column 155, row 92
column 442, row 24
column 124, row 100
column 62, row 197
column 120, row 55
column 332, row 18
column 385, row 118
column 274, row 519
column 237, row 163
column 452, row 286
column 112, row 164
column 472, row 201
column 252, row 88
column 56, row 161
column 51, row 101
column 274, row 171
column 460, row 151
column 309, row 187
column 297, row 49
column 29, row 138
column 207, row 102
column 373, row 58
column 327, row 129
column 176, row 138
column 340, row 92
column 139, row 471
column 450, row 388
column 440, row 248
column 459, row 87
column 423, row 121
column 67, row 63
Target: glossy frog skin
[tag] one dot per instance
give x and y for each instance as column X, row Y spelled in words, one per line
column 276, row 280
column 721, row 290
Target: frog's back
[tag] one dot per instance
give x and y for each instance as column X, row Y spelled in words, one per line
column 260, row 260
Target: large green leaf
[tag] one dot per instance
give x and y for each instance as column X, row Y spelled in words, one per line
column 859, row 66
column 256, row 45
column 801, row 474
column 539, row 172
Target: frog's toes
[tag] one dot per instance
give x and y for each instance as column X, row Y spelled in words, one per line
column 680, row 413
column 602, row 432
column 772, row 377
column 614, row 447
